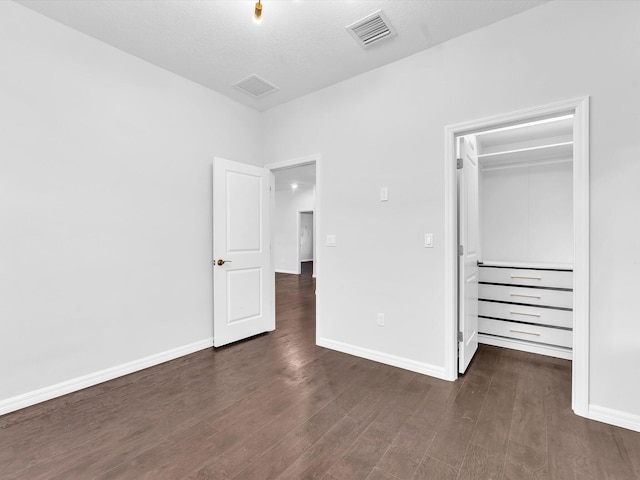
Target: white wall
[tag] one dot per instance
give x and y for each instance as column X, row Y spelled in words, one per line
column 527, row 213
column 105, row 203
column 386, row 128
column 287, row 205
column 105, row 190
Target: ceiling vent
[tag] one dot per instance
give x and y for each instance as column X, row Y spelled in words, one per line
column 371, row 29
column 255, row 86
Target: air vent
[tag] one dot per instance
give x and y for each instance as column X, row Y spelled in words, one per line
column 371, row 29
column 255, row 86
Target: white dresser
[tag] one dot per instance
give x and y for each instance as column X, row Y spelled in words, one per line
column 528, row 309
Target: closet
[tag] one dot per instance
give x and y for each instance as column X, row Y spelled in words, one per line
column 525, row 248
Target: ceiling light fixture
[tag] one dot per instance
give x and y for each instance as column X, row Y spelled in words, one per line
column 257, row 13
column 294, row 186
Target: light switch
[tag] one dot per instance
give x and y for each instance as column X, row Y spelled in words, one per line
column 384, row 194
column 331, row 240
column 428, row 240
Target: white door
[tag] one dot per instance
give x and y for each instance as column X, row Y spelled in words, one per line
column 468, row 241
column 243, row 287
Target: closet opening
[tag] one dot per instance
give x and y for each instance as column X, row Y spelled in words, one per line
column 518, row 237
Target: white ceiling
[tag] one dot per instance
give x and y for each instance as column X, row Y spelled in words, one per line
column 300, row 46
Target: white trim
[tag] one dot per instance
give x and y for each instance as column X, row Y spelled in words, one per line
column 540, row 349
column 63, row 388
column 381, row 357
column 581, row 288
column 450, row 254
column 295, row 162
column 317, row 265
column 272, row 250
column 580, row 108
column 291, row 272
column 298, row 222
column 615, row 417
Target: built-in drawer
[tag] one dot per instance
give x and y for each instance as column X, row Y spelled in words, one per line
column 531, row 296
column 523, row 313
column 520, row 276
column 532, row 333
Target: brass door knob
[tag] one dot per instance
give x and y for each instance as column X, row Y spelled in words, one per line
column 222, row 262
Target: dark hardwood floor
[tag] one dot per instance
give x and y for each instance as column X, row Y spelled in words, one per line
column 277, row 406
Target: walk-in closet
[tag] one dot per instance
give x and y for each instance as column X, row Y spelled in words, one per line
column 525, row 245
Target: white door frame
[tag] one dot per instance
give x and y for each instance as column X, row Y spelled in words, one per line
column 580, row 108
column 299, row 162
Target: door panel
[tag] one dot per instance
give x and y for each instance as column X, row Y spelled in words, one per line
column 244, row 295
column 243, row 208
column 468, row 233
column 243, row 289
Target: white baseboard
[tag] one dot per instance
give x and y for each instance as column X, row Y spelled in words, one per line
column 381, row 357
column 279, row 270
column 615, row 417
column 47, row 393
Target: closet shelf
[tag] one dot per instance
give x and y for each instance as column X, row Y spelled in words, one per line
column 555, row 151
column 534, row 265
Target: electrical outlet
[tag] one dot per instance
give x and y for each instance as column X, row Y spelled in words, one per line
column 381, row 319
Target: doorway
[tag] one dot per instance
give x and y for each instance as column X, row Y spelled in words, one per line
column 578, row 111
column 295, row 179
column 294, row 195
column 306, row 245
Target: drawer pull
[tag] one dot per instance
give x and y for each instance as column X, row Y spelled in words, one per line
column 527, row 314
column 523, row 295
column 526, row 278
column 527, row 333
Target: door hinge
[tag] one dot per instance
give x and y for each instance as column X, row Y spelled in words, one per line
column 460, row 337
column 459, row 163
column 460, row 250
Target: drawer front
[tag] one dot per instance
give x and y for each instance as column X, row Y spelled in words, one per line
column 522, row 313
column 532, row 333
column 530, row 296
column 534, row 278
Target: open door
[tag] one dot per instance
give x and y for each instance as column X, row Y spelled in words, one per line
column 243, row 287
column 468, row 241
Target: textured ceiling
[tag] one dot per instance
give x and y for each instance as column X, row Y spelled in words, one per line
column 300, row 46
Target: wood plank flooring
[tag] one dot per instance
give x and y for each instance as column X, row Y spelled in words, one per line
column 278, row 407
